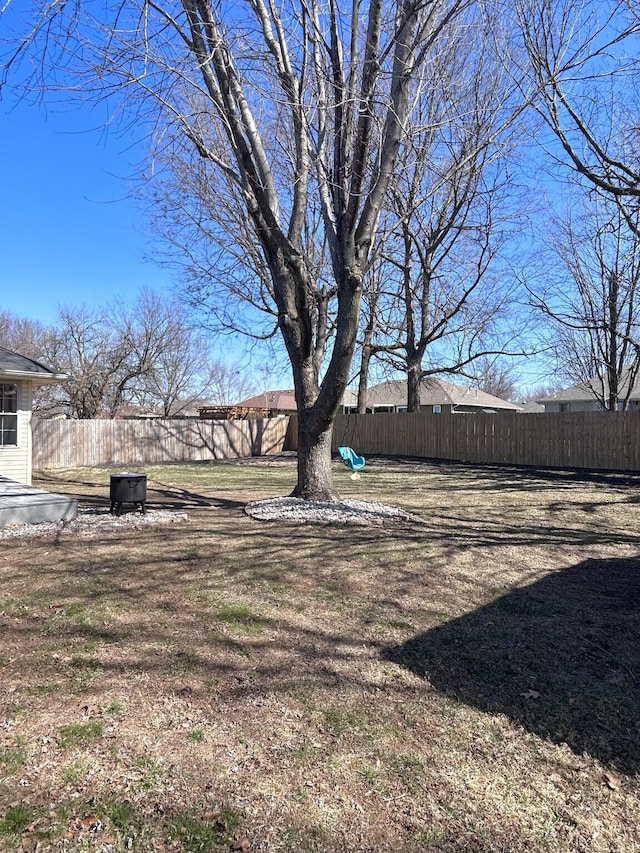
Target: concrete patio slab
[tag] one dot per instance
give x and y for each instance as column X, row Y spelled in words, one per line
column 20, row 504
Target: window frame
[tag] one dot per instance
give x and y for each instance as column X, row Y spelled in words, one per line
column 8, row 415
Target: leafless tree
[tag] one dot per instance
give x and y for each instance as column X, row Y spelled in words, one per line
column 86, row 345
column 228, row 385
column 496, row 376
column 584, row 59
column 142, row 353
column 28, row 337
column 207, row 237
column 21, row 335
column 594, row 299
column 302, row 107
column 435, row 295
column 175, row 365
column 538, row 392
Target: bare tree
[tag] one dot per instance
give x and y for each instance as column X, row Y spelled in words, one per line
column 175, row 365
column 496, row 376
column 228, row 385
column 434, row 295
column 140, row 353
column 21, row 335
column 159, row 344
column 29, row 337
column 594, row 299
column 171, row 359
column 207, row 236
column 538, row 392
column 87, row 345
column 252, row 88
column 584, row 60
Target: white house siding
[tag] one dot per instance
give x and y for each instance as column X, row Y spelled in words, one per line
column 574, row 406
column 585, row 406
column 15, row 462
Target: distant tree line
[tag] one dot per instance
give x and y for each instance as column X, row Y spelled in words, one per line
column 124, row 359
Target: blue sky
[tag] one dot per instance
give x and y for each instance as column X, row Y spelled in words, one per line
column 70, row 234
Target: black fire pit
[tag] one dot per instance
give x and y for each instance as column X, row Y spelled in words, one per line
column 128, row 489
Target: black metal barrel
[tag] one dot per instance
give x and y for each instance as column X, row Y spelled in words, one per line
column 128, row 488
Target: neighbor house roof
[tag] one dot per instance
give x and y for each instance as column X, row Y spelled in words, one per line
column 592, row 390
column 349, row 398
column 435, row 391
column 529, row 407
column 19, row 367
column 282, row 401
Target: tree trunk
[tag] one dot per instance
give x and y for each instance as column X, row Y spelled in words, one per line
column 613, row 342
column 414, row 377
column 363, row 381
column 314, row 459
column 318, row 402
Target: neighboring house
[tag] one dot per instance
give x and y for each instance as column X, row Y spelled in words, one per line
column 349, row 402
column 18, row 377
column 277, row 402
column 264, row 405
column 582, row 397
column 530, row 407
column 436, row 396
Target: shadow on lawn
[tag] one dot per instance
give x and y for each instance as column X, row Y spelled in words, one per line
column 159, row 495
column 561, row 657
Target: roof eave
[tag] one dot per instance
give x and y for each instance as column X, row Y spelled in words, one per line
column 36, row 378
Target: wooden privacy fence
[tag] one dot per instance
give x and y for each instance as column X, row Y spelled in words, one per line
column 84, row 443
column 597, row 440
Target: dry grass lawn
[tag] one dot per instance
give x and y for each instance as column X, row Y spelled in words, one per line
column 466, row 682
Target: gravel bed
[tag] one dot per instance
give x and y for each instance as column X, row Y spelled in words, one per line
column 319, row 512
column 95, row 519
column 291, row 510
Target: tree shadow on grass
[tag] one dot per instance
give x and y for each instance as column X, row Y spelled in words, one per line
column 95, row 495
column 561, row 657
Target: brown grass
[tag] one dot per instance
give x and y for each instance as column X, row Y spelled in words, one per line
column 469, row 682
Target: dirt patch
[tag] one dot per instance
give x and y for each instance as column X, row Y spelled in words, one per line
column 466, row 683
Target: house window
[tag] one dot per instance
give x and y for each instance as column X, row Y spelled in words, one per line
column 565, row 407
column 437, row 410
column 8, row 414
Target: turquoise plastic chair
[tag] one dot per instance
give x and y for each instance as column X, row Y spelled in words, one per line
column 351, row 458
